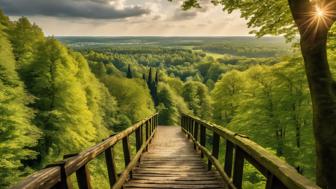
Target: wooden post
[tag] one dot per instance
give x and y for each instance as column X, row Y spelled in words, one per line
column 215, row 148
column 65, row 182
column 192, row 128
column 238, row 168
column 111, row 166
column 157, row 122
column 150, row 127
column 228, row 158
column 196, row 134
column 189, row 124
column 141, row 134
column 202, row 137
column 138, row 138
column 127, row 153
column 147, row 130
column 181, row 121
column 153, row 124
column 273, row 182
column 83, row 177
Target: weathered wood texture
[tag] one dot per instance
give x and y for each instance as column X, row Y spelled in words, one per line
column 58, row 175
column 239, row 148
column 172, row 162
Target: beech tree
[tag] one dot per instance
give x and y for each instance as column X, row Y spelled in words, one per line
column 18, row 135
column 312, row 19
column 61, row 105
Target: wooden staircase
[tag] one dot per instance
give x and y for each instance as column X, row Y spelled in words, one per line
column 172, row 157
column 171, row 162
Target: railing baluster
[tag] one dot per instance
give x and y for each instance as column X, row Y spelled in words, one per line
column 141, row 134
column 111, row 166
column 65, row 182
column 153, row 124
column 147, row 129
column 150, row 126
column 238, row 168
column 196, row 134
column 138, row 138
column 273, row 182
column 202, row 137
column 83, row 177
column 215, row 148
column 228, row 158
column 192, row 127
column 127, row 153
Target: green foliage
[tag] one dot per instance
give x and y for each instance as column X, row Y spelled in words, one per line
column 167, row 107
column 17, row 133
column 132, row 95
column 75, row 102
column 25, row 38
column 102, row 105
column 196, row 96
column 270, row 101
column 62, row 110
column 226, row 96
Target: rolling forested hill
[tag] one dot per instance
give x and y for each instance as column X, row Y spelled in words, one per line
column 60, row 98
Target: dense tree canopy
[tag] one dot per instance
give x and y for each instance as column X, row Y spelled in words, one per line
column 65, row 100
column 18, row 134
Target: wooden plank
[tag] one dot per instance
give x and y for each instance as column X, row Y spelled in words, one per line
column 196, row 128
column 282, row 170
column 274, row 183
column 171, row 162
column 228, row 158
column 202, row 137
column 127, row 152
column 83, row 178
column 238, row 168
column 111, row 166
column 215, row 148
column 138, row 139
column 125, row 174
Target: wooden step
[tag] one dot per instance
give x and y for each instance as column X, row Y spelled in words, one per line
column 171, row 162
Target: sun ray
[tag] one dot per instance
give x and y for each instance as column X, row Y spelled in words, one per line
column 320, row 18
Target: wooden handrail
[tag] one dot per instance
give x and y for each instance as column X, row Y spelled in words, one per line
column 57, row 175
column 278, row 173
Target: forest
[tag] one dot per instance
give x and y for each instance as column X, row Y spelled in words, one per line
column 60, row 95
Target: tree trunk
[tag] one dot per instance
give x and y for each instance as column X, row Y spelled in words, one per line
column 322, row 89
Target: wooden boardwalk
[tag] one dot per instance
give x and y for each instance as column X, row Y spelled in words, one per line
column 171, row 162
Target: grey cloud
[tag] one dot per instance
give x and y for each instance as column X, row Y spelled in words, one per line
column 184, row 15
column 93, row 9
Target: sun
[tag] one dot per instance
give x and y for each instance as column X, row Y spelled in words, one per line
column 319, row 12
column 319, row 18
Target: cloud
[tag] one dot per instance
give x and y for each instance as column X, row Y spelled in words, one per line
column 184, row 15
column 92, row 9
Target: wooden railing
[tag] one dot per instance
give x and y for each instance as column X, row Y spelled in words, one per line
column 239, row 148
column 58, row 175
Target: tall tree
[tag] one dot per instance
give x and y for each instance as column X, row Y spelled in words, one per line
column 197, row 97
column 129, row 72
column 25, row 37
column 62, row 110
column 133, row 96
column 18, row 135
column 226, row 96
column 313, row 19
column 167, row 107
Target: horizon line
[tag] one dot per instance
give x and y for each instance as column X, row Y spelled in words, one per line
column 163, row 36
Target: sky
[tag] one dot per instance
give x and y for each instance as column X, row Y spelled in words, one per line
column 126, row 18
